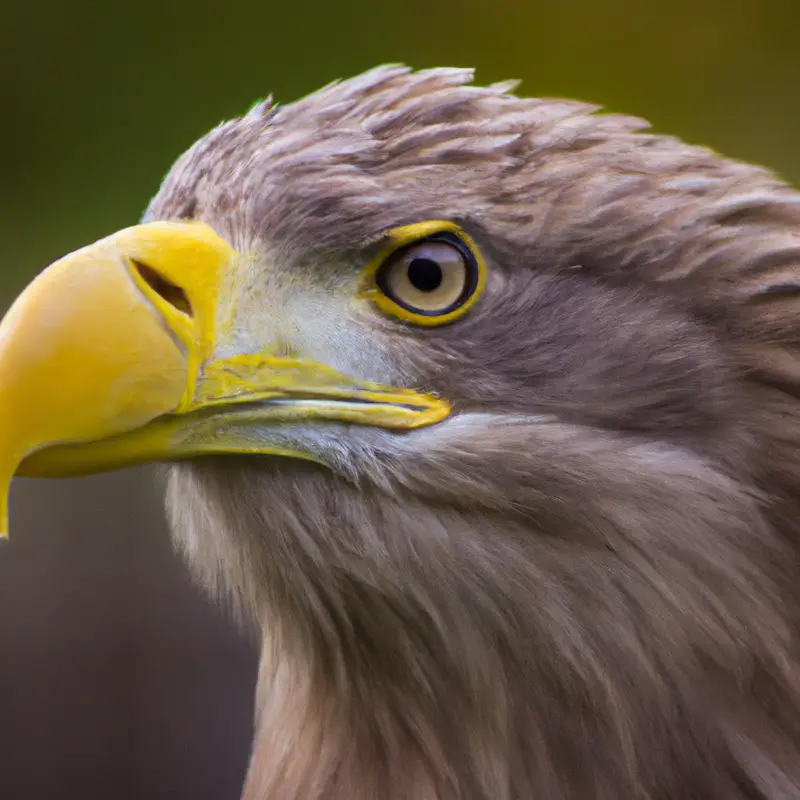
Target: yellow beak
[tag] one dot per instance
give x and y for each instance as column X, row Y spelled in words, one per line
column 106, row 360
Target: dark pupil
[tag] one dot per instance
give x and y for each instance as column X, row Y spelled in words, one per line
column 424, row 274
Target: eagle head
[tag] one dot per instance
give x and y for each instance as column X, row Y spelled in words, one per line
column 484, row 410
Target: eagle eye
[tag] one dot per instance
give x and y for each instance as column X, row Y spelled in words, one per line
column 431, row 279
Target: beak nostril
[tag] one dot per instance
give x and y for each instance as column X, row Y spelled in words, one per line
column 169, row 292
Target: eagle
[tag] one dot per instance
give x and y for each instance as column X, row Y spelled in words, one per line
column 484, row 412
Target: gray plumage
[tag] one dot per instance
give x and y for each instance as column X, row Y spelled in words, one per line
column 584, row 583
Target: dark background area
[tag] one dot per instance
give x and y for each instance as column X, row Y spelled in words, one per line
column 118, row 679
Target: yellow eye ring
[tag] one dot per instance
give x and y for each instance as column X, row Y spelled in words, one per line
column 429, row 274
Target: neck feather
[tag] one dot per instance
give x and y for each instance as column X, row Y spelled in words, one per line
column 421, row 649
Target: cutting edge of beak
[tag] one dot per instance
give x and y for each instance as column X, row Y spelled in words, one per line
column 106, row 360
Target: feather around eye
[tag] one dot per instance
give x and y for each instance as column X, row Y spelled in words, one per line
column 430, row 280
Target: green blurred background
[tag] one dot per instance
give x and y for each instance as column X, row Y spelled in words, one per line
column 117, row 678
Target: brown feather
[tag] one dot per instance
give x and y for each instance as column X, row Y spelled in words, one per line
column 584, row 585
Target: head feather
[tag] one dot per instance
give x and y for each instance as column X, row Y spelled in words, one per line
column 593, row 594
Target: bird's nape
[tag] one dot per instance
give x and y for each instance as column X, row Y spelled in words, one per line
column 489, row 415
